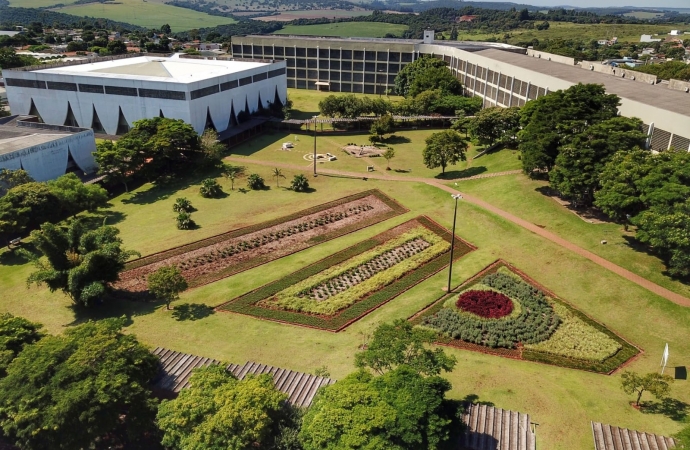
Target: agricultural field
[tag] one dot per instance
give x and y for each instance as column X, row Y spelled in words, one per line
column 345, row 29
column 624, row 32
column 290, row 15
column 340, row 289
column 503, row 312
column 146, row 13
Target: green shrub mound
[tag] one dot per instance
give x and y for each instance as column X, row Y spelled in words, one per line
column 536, row 322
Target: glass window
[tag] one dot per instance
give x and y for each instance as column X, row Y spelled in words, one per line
column 346, row 76
column 394, row 57
column 346, row 65
column 358, row 55
column 370, row 67
column 289, row 51
column 381, row 56
column 311, row 63
column 323, row 53
column 301, row 62
column 311, row 52
column 358, row 66
column 406, row 57
column 279, row 51
column 301, row 52
column 357, row 77
column 346, row 54
column 369, row 56
column 268, row 51
column 335, row 54
column 335, row 65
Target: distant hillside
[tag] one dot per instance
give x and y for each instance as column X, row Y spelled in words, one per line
column 9, row 17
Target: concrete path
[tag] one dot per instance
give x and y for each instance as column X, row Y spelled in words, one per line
column 628, row 275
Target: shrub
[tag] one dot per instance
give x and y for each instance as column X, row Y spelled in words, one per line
column 489, row 304
column 255, row 182
column 184, row 221
column 182, row 205
column 210, row 188
column 299, row 183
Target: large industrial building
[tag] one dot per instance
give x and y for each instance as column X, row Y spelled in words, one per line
column 110, row 94
column 502, row 75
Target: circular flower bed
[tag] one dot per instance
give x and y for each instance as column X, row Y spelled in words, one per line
column 487, row 304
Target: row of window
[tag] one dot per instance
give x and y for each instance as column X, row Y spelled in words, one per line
column 254, row 51
column 345, row 65
column 214, row 89
column 357, row 77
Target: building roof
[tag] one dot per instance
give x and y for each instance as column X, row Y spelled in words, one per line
column 491, row 428
column 608, row 437
column 14, row 137
column 174, row 69
column 176, row 369
column 659, row 96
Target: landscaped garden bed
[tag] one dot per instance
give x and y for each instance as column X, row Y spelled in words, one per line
column 220, row 256
column 501, row 311
column 336, row 291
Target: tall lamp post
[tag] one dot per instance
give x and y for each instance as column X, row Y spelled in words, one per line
column 314, row 119
column 452, row 241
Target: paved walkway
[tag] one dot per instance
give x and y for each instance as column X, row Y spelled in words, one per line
column 628, row 275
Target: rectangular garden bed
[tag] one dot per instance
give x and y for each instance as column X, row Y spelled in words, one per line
column 226, row 254
column 538, row 326
column 340, row 289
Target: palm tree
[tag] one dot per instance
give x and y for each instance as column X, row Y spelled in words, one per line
column 278, row 174
column 231, row 176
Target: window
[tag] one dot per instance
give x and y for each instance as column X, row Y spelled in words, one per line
column 358, row 67
column 302, row 52
column 312, row 64
column 35, row 84
column 268, row 51
column 323, row 75
column 245, row 81
column 301, row 62
column 258, row 50
column 323, row 53
column 381, row 56
column 359, row 55
column 335, row 65
column 118, row 90
column 393, row 68
column 346, row 76
column 291, row 73
column 346, row 54
column 236, row 50
column 346, row 65
column 369, row 78
column 382, row 68
column 369, row 56
column 312, row 74
column 289, row 51
column 229, row 85
column 357, row 77
column 301, row 84
column 323, row 64
column 291, row 83
column 291, row 62
column 301, row 73
column 370, row 67
column 204, row 92
column 394, row 57
column 247, row 50
column 335, row 76
column 335, row 54
column 276, row 73
column 279, row 51
column 260, row 77
column 406, row 57
column 381, row 78
column 91, row 88
column 160, row 93
column 60, row 86
column 311, row 53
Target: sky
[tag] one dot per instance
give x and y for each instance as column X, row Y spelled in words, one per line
column 605, row 3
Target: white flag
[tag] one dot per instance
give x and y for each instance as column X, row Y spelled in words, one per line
column 664, row 359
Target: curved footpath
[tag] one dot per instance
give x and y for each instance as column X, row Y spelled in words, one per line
column 628, row 275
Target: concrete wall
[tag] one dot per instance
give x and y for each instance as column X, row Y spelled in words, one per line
column 595, row 66
column 679, row 85
column 551, row 57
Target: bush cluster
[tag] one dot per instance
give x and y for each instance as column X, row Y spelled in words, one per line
column 488, row 304
column 536, row 322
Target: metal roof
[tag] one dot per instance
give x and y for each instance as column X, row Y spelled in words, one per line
column 176, row 370
column 491, row 428
column 608, row 437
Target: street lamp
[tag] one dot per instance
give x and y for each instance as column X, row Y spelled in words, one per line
column 314, row 119
column 452, row 241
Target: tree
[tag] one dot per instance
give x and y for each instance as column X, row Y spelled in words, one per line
column 26, row 207
column 9, row 59
column 165, row 29
column 219, row 412
column 400, row 343
column 683, row 437
column 13, row 178
column 232, row 173
column 116, row 47
column 278, row 174
column 620, row 194
column 495, row 124
column 210, row 188
column 388, row 155
column 184, row 221
column 166, row 283
column 89, row 384
column 658, row 385
column 75, row 196
column 300, row 183
column 117, row 162
column 15, row 334
column 78, row 261
column 255, row 182
column 398, row 410
column 382, row 125
column 212, row 148
column 426, row 73
column 444, row 148
column 548, row 120
column 182, row 204
column 582, row 159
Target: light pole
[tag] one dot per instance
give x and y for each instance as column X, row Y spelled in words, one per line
column 314, row 118
column 452, row 241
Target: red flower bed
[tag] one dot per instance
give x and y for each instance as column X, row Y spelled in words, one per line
column 489, row 304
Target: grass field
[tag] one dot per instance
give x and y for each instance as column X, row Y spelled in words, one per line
column 345, row 29
column 562, row 401
column 146, row 13
column 286, row 16
column 624, row 32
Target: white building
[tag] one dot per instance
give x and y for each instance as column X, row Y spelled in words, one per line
column 110, row 94
column 648, row 38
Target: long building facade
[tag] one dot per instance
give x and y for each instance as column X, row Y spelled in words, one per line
column 110, row 94
column 502, row 75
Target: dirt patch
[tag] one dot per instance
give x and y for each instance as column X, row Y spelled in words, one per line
column 363, row 151
column 223, row 258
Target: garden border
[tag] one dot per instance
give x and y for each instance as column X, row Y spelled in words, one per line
column 246, row 303
column 524, row 354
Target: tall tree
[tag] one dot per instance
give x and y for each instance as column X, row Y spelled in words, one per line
column 426, row 73
column 582, row 159
column 212, row 148
column 495, row 124
column 88, row 385
column 78, row 261
column 13, row 178
column 166, row 283
column 117, row 162
column 278, row 174
column 15, row 334
column 75, row 196
column 444, row 148
column 620, row 195
column 219, row 412
column 548, row 120
column 382, row 126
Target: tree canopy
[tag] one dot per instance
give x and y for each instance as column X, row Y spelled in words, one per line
column 444, row 148
column 491, row 125
column 424, row 74
column 166, row 283
column 68, row 391
column 219, row 412
column 78, row 261
column 655, row 383
column 15, row 334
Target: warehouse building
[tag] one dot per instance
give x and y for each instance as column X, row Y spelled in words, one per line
column 501, row 74
column 110, row 94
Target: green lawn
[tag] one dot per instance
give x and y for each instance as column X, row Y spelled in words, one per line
column 562, row 401
column 345, row 29
column 145, row 13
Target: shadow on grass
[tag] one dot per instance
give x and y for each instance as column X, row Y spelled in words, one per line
column 640, row 247
column 115, row 305
column 672, row 408
column 11, row 257
column 168, row 186
column 191, row 311
column 455, row 174
column 395, row 139
column 474, row 398
column 103, row 217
